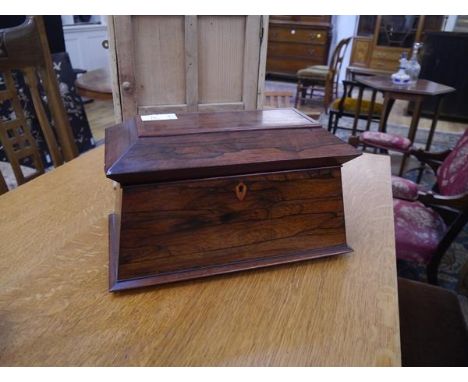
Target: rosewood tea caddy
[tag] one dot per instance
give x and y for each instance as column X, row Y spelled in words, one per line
column 209, row 193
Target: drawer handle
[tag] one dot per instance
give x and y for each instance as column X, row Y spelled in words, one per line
column 241, row 191
column 293, row 31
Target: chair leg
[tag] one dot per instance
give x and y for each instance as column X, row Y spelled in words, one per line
column 335, row 124
column 353, row 141
column 454, row 231
column 328, row 94
column 403, row 164
column 420, row 173
column 432, row 270
column 330, row 120
column 3, row 185
column 298, row 92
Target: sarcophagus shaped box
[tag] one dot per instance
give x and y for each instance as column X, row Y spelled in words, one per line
column 209, row 193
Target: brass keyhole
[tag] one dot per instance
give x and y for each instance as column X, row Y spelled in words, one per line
column 241, row 191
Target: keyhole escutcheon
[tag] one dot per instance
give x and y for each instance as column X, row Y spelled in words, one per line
column 241, row 191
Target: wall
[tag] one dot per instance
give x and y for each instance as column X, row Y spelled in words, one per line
column 84, row 42
column 343, row 26
column 450, row 24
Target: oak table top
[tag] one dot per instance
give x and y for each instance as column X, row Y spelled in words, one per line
column 55, row 308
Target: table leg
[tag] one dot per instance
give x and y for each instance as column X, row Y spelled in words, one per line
column 412, row 130
column 371, row 109
column 297, row 103
column 387, row 107
column 357, row 111
column 434, row 123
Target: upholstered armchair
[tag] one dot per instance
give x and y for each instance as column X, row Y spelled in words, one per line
column 426, row 223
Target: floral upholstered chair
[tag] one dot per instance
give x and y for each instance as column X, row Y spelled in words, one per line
column 426, row 223
column 384, row 141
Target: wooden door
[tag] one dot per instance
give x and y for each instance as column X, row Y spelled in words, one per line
column 187, row 63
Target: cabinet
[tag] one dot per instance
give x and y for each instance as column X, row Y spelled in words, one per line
column 187, row 63
column 295, row 42
column 380, row 40
column 445, row 61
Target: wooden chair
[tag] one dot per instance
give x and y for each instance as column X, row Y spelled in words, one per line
column 3, row 185
column 426, row 223
column 322, row 76
column 283, row 99
column 432, row 327
column 357, row 108
column 277, row 99
column 25, row 49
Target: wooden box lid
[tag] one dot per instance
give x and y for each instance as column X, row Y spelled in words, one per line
column 203, row 145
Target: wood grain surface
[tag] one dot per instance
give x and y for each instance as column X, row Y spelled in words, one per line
column 186, row 63
column 182, row 230
column 420, row 87
column 206, row 145
column 55, row 308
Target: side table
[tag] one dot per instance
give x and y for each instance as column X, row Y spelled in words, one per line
column 416, row 92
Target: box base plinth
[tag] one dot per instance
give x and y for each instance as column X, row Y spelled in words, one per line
column 116, row 284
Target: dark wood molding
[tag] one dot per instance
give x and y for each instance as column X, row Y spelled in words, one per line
column 215, row 193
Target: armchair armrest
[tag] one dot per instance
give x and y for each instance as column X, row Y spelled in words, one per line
column 459, row 202
column 434, row 160
column 404, row 189
column 383, row 141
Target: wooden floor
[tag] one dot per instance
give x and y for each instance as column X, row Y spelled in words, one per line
column 101, row 115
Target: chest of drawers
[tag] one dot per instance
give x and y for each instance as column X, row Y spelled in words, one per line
column 295, row 42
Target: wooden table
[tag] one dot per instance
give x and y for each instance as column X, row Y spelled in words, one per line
column 95, row 84
column 55, row 308
column 416, row 92
column 353, row 71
